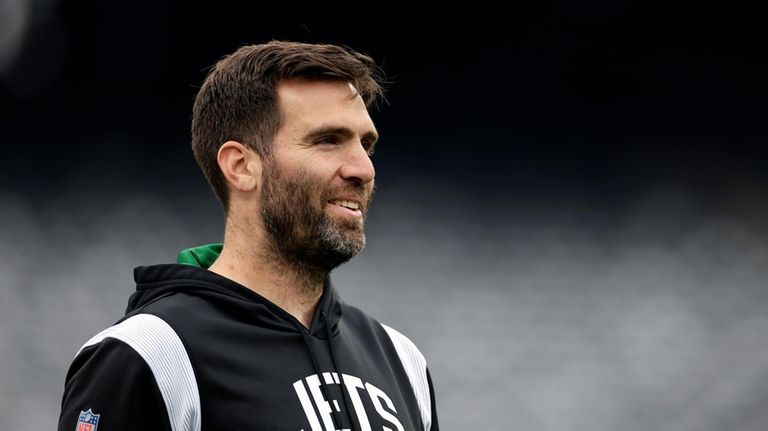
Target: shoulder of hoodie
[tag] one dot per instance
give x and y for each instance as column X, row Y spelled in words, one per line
column 184, row 312
column 112, row 336
column 171, row 308
column 174, row 305
column 359, row 319
column 178, row 312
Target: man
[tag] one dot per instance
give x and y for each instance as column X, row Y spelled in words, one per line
column 251, row 335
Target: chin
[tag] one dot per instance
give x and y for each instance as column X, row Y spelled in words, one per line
column 338, row 247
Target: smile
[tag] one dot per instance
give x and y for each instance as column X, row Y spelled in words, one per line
column 346, row 204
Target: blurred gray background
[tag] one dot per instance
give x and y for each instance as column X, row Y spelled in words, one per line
column 571, row 218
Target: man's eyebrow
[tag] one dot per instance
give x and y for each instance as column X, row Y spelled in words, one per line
column 345, row 132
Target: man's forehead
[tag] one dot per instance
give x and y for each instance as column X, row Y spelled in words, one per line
column 305, row 101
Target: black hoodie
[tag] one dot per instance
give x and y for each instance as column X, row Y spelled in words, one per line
column 198, row 351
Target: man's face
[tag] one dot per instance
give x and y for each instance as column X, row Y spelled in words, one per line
column 319, row 181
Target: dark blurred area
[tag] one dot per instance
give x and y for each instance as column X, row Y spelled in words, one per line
column 604, row 99
column 570, row 218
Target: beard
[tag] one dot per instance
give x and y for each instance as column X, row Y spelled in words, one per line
column 303, row 234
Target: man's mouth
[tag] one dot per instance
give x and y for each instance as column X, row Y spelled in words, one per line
column 354, row 206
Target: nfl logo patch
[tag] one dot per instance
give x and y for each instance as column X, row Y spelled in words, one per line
column 87, row 421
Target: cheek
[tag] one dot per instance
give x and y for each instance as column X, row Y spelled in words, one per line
column 307, row 178
column 310, row 190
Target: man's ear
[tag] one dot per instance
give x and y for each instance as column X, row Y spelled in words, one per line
column 240, row 165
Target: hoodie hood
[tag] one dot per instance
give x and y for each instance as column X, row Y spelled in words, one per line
column 191, row 276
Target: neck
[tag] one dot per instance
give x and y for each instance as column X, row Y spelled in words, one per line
column 257, row 265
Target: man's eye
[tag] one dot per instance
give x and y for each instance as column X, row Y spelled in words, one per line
column 328, row 140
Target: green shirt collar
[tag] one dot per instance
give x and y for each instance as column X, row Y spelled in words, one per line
column 202, row 256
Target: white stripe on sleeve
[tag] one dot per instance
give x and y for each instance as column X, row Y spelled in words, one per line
column 416, row 367
column 161, row 348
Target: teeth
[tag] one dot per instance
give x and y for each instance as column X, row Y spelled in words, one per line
column 346, row 204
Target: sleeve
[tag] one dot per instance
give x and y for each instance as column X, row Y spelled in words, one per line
column 109, row 386
column 434, row 426
column 415, row 367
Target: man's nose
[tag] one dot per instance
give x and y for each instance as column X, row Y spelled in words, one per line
column 358, row 165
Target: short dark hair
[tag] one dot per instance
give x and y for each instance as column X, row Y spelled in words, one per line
column 238, row 99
